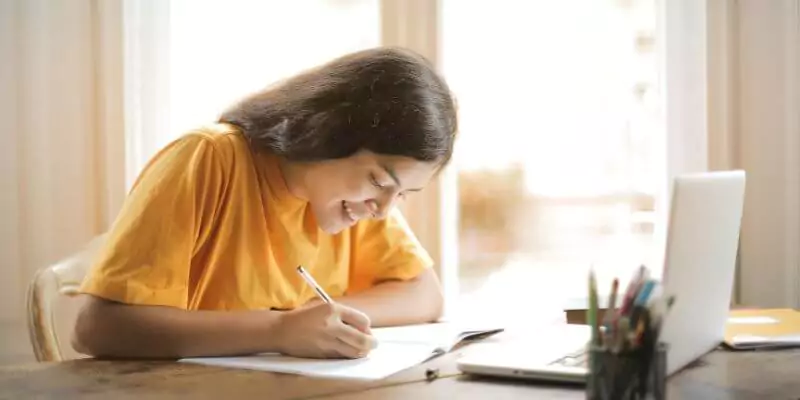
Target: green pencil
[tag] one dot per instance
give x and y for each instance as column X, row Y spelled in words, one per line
column 592, row 317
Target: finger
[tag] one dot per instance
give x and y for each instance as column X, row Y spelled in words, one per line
column 355, row 338
column 354, row 318
column 339, row 349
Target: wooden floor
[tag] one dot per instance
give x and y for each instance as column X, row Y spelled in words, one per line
column 15, row 348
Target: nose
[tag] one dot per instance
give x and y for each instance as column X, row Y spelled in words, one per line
column 380, row 207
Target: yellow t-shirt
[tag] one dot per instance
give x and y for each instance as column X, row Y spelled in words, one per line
column 210, row 225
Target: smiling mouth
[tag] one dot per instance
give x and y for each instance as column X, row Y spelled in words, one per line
column 348, row 212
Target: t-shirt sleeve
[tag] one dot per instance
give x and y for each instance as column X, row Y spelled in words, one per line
column 385, row 250
column 166, row 217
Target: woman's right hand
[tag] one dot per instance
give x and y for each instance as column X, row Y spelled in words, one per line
column 325, row 331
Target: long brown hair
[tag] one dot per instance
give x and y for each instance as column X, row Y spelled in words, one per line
column 386, row 100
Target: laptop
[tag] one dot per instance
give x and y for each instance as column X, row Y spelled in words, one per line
column 699, row 267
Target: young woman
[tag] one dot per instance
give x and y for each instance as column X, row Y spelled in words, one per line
column 202, row 258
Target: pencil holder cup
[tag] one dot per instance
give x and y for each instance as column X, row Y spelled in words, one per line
column 638, row 374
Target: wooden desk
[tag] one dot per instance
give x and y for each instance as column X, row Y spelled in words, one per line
column 96, row 379
column 719, row 375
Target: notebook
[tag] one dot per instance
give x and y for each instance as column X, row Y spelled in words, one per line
column 398, row 348
column 762, row 329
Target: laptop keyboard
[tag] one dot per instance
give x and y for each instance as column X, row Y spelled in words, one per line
column 575, row 359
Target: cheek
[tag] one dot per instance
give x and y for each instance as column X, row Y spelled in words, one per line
column 332, row 193
column 358, row 191
column 354, row 188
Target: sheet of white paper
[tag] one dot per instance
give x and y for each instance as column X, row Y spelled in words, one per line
column 387, row 359
column 443, row 334
column 438, row 334
column 754, row 320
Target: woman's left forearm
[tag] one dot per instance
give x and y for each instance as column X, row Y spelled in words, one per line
column 390, row 303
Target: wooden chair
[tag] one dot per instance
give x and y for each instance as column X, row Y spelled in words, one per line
column 49, row 287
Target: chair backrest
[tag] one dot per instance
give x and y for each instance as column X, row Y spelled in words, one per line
column 48, row 287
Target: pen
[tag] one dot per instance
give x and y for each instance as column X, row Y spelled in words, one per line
column 644, row 294
column 320, row 292
column 633, row 288
column 593, row 307
column 640, row 328
column 610, row 314
column 659, row 309
column 622, row 334
column 311, row 282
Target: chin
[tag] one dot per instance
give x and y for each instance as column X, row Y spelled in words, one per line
column 332, row 225
column 332, row 229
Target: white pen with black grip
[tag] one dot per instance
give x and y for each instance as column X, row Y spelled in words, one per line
column 314, row 285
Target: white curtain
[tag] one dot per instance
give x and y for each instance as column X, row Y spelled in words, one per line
column 765, row 141
column 62, row 144
column 746, row 115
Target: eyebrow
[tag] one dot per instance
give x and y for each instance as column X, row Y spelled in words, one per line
column 396, row 180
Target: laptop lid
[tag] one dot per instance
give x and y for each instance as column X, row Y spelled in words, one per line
column 700, row 261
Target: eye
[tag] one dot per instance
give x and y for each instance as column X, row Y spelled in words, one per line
column 374, row 182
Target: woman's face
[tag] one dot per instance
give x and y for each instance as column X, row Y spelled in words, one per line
column 366, row 185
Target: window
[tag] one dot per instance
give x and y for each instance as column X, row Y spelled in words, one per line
column 561, row 156
column 221, row 51
column 187, row 61
column 557, row 161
